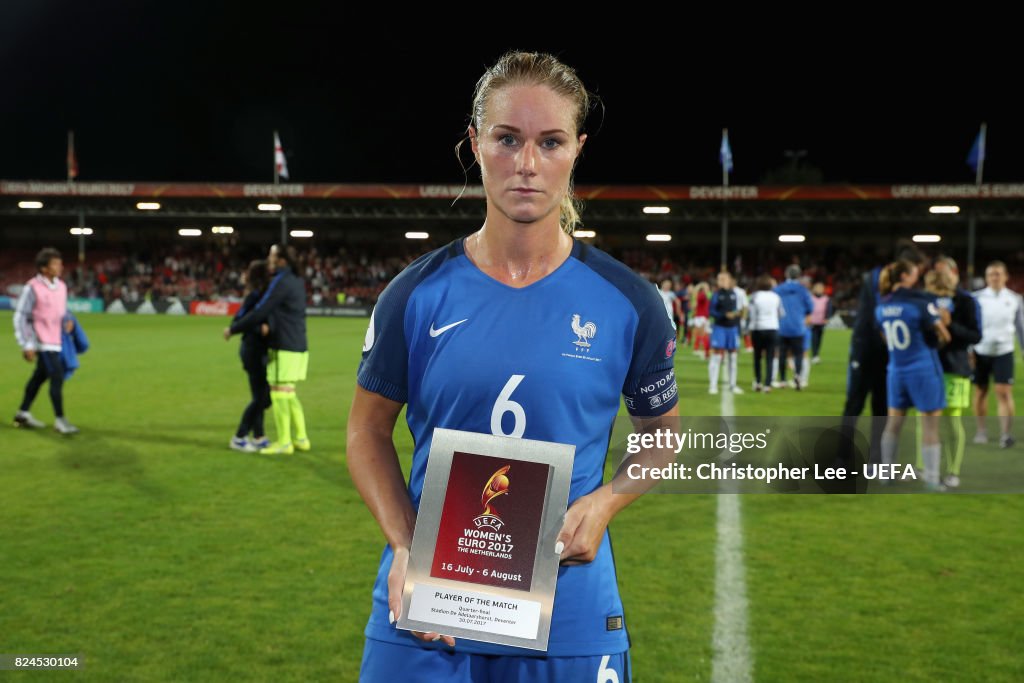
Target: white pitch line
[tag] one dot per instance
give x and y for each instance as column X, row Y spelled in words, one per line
column 731, row 659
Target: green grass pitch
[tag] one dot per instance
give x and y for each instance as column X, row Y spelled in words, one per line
column 147, row 546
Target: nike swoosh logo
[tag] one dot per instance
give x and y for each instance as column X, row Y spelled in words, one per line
column 439, row 332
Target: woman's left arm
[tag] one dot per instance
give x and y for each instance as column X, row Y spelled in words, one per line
column 589, row 515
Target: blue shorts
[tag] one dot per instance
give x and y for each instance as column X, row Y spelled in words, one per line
column 725, row 338
column 390, row 663
column 922, row 390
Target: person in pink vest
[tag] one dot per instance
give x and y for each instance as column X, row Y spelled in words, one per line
column 819, row 318
column 38, row 319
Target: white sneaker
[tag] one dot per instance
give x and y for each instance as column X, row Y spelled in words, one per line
column 242, row 445
column 778, row 385
column 64, row 427
column 756, row 387
column 712, row 390
column 735, row 389
column 981, row 437
column 816, row 360
column 23, row 418
column 951, row 481
column 791, row 384
column 1005, row 441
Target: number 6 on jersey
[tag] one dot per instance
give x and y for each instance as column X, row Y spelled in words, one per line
column 505, row 404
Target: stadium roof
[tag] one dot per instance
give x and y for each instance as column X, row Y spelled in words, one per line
column 609, row 203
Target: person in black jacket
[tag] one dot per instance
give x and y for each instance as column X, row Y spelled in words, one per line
column 965, row 328
column 253, row 351
column 280, row 315
column 869, row 357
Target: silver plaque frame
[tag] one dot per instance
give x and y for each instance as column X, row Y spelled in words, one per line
column 446, row 442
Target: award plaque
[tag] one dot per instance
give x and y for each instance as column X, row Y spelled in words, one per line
column 483, row 564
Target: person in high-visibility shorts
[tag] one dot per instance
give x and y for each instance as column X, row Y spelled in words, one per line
column 965, row 330
column 281, row 316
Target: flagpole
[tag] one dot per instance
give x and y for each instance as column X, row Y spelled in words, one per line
column 81, row 239
column 277, row 181
column 72, row 170
column 725, row 209
column 981, row 156
column 972, row 217
column 71, row 155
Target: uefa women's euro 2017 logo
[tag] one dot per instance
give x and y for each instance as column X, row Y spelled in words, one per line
column 496, row 486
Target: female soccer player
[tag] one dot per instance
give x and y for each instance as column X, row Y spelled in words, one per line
column 964, row 331
column 912, row 328
column 516, row 312
column 699, row 321
column 725, row 337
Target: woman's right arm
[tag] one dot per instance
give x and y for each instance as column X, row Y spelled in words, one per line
column 377, row 474
column 373, row 464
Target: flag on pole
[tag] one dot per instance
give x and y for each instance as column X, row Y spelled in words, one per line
column 976, row 157
column 725, row 152
column 280, row 165
column 72, row 159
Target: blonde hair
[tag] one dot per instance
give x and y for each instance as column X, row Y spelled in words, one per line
column 536, row 68
column 939, row 283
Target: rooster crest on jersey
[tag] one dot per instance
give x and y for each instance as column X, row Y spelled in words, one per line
column 496, row 486
column 583, row 332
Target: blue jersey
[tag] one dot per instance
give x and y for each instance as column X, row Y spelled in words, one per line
column 724, row 301
column 462, row 349
column 907, row 319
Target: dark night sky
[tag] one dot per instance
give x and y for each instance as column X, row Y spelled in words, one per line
column 180, row 92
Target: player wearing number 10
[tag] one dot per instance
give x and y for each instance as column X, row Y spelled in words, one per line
column 912, row 328
column 516, row 330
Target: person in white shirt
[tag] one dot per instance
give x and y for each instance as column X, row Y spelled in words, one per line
column 765, row 309
column 671, row 302
column 743, row 301
column 1002, row 315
